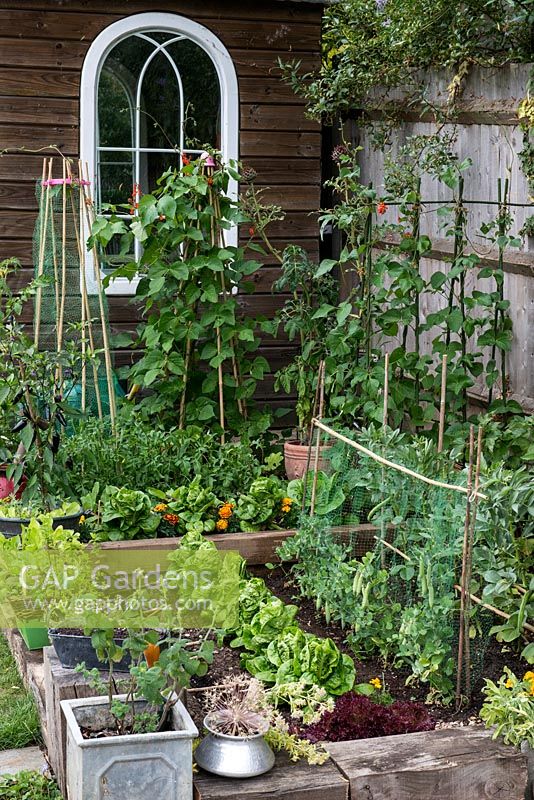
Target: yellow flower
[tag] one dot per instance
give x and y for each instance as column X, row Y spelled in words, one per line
column 222, row 524
column 160, row 507
column 225, row 512
column 528, row 676
column 81, row 520
column 509, row 684
column 376, row 682
column 287, row 501
column 286, row 509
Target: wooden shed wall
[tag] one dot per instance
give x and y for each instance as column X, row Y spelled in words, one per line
column 42, row 47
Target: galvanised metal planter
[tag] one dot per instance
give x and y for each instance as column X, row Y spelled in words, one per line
column 133, row 767
column 234, row 756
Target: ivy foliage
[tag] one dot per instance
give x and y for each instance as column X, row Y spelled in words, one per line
column 388, row 43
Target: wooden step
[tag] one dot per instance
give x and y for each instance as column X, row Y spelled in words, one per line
column 461, row 763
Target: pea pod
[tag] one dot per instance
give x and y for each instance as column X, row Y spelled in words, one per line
column 357, row 582
column 365, row 595
column 430, row 585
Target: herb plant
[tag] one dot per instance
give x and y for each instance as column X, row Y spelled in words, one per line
column 509, row 706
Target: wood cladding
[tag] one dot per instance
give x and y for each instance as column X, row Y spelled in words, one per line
column 42, row 47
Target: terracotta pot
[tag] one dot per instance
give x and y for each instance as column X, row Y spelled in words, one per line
column 296, row 459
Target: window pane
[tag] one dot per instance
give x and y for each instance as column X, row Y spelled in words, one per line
column 152, row 167
column 116, row 177
column 117, row 91
column 115, row 112
column 201, row 94
column 160, row 105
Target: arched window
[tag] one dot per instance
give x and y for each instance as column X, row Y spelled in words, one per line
column 154, row 86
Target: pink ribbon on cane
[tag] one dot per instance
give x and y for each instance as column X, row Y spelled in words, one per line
column 68, row 181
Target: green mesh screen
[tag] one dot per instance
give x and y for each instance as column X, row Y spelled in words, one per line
column 381, row 555
column 58, row 244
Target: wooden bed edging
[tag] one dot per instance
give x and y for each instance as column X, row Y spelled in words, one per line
column 258, row 547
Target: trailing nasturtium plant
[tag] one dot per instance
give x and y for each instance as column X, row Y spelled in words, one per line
column 197, row 345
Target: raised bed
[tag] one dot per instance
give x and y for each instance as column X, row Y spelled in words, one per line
column 453, row 764
column 457, row 764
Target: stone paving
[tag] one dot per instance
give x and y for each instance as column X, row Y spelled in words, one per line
column 26, row 758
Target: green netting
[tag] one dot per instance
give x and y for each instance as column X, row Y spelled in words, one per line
column 59, row 254
column 382, row 555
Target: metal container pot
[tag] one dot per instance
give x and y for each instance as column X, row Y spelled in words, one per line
column 72, row 649
column 234, row 756
column 134, row 767
column 12, row 526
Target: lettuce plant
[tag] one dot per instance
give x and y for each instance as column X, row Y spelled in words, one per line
column 358, row 717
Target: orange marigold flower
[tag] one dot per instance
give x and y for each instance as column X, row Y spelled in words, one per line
column 287, row 501
column 172, row 519
column 151, row 653
column 286, row 509
column 225, row 512
column 160, row 507
column 222, row 524
column 381, row 208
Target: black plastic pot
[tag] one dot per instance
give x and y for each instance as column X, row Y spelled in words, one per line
column 12, row 526
column 73, row 648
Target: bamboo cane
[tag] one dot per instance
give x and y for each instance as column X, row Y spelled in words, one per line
column 386, row 391
column 85, row 295
column 181, row 419
column 220, row 383
column 40, row 266
column 219, row 343
column 85, row 310
column 318, row 442
column 310, row 436
column 467, row 523
column 494, row 610
column 61, row 318
column 399, row 467
column 241, row 403
column 469, row 563
column 83, row 307
column 442, row 402
column 89, row 210
column 56, row 266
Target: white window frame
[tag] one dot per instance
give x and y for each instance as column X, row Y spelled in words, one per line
column 176, row 25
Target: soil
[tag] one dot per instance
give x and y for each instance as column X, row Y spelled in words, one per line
column 226, row 660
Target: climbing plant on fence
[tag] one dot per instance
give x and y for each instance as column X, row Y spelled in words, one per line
column 469, row 321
